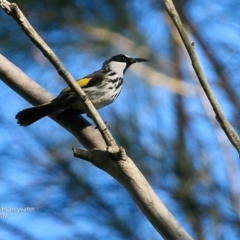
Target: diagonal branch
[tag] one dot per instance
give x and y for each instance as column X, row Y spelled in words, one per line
column 123, row 169
column 124, row 172
column 226, row 126
column 81, row 129
column 13, row 10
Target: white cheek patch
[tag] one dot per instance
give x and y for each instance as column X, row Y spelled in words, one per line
column 118, row 67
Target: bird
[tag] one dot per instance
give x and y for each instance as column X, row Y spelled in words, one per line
column 102, row 87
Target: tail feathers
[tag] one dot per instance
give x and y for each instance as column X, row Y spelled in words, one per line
column 33, row 114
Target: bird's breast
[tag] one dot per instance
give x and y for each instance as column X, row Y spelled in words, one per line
column 106, row 92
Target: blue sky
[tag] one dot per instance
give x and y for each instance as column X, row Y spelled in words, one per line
column 31, row 156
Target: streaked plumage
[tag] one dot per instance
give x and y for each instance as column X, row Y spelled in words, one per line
column 102, row 87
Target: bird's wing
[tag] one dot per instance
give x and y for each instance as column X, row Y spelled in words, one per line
column 84, row 82
column 90, row 80
column 81, row 82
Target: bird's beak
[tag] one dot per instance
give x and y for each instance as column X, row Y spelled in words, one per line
column 137, row 60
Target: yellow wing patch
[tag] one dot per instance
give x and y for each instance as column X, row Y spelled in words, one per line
column 81, row 82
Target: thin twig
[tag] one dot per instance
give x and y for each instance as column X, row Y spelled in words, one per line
column 13, row 10
column 82, row 130
column 226, row 126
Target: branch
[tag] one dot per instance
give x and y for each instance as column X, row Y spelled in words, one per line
column 11, row 75
column 126, row 172
column 218, row 67
column 226, row 126
column 13, row 10
column 121, row 167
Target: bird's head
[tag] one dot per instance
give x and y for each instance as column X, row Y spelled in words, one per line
column 120, row 63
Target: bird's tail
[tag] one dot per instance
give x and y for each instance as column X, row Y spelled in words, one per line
column 33, row 114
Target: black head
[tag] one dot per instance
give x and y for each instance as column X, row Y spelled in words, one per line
column 120, row 63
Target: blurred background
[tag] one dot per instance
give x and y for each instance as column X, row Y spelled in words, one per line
column 162, row 118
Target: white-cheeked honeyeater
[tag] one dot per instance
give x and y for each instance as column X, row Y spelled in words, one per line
column 102, row 87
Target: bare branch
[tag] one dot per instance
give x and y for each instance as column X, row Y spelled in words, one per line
column 13, row 10
column 87, row 134
column 226, row 126
column 123, row 171
column 122, row 167
column 126, row 172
